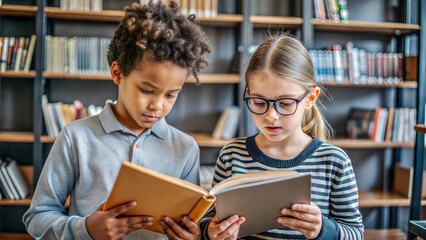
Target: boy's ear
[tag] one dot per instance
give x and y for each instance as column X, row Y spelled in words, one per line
column 312, row 97
column 116, row 73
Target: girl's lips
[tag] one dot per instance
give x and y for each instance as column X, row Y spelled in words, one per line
column 273, row 129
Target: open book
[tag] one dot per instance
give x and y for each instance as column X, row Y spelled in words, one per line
column 256, row 196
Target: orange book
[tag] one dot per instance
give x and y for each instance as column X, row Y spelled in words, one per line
column 159, row 195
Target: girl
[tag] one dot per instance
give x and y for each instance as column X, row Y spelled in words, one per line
column 281, row 95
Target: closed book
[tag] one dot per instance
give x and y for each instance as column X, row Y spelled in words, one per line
column 30, row 52
column 4, row 185
column 258, row 197
column 8, row 180
column 17, row 179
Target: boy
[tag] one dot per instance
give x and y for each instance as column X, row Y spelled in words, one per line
column 152, row 53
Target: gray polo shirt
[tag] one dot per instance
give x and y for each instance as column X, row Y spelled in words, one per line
column 84, row 162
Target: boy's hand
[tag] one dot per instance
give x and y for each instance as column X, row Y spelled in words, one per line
column 227, row 229
column 305, row 218
column 109, row 225
column 189, row 229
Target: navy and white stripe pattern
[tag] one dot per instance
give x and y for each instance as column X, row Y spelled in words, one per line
column 333, row 184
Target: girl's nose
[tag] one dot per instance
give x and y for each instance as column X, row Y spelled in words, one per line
column 272, row 114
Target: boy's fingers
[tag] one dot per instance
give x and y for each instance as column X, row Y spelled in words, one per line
column 178, row 230
column 192, row 226
column 122, row 208
column 168, row 231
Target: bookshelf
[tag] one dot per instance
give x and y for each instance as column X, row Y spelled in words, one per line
column 239, row 25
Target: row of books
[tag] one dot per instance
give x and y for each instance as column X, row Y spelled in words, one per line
column 227, row 125
column 334, row 10
column 356, row 66
column 201, row 8
column 382, row 124
column 12, row 183
column 81, row 5
column 57, row 115
column 77, row 55
column 16, row 53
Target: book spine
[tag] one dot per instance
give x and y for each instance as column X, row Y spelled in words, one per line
column 343, row 10
column 30, row 53
column 202, row 207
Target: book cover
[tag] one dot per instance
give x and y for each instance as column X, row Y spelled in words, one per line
column 159, row 195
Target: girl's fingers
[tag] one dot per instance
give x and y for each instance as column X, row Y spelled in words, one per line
column 232, row 230
column 300, row 215
column 296, row 223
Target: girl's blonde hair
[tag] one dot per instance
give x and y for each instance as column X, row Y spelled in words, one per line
column 287, row 58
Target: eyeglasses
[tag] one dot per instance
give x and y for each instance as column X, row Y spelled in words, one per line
column 283, row 106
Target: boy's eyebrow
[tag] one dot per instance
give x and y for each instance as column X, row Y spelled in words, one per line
column 155, row 87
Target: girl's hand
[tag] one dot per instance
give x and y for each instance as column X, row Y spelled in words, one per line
column 109, row 225
column 189, row 229
column 305, row 218
column 227, row 229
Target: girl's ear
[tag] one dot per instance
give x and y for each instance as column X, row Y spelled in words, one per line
column 312, row 97
column 116, row 73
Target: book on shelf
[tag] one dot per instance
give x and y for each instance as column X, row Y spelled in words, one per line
column 343, row 10
column 357, row 66
column 5, row 183
column 333, row 10
column 258, row 197
column 12, row 181
column 382, row 124
column 58, row 115
column 227, row 125
column 17, row 178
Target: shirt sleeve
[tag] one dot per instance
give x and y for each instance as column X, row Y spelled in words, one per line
column 47, row 217
column 344, row 209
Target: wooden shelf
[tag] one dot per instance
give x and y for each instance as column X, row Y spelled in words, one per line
column 18, row 10
column 51, row 75
column 366, row 27
column 420, row 128
column 117, row 16
column 383, row 199
column 403, row 84
column 365, row 143
column 275, row 21
column 384, row 234
column 18, row 137
column 22, row 74
column 216, row 79
column 22, row 202
column 204, row 78
column 206, row 140
column 15, row 236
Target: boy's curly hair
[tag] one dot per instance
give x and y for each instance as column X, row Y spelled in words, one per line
column 164, row 32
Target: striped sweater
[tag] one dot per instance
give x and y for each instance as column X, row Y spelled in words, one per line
column 333, row 184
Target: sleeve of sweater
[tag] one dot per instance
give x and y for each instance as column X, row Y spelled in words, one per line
column 345, row 218
column 47, row 218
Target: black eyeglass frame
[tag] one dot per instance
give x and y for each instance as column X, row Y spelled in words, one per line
column 274, row 102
